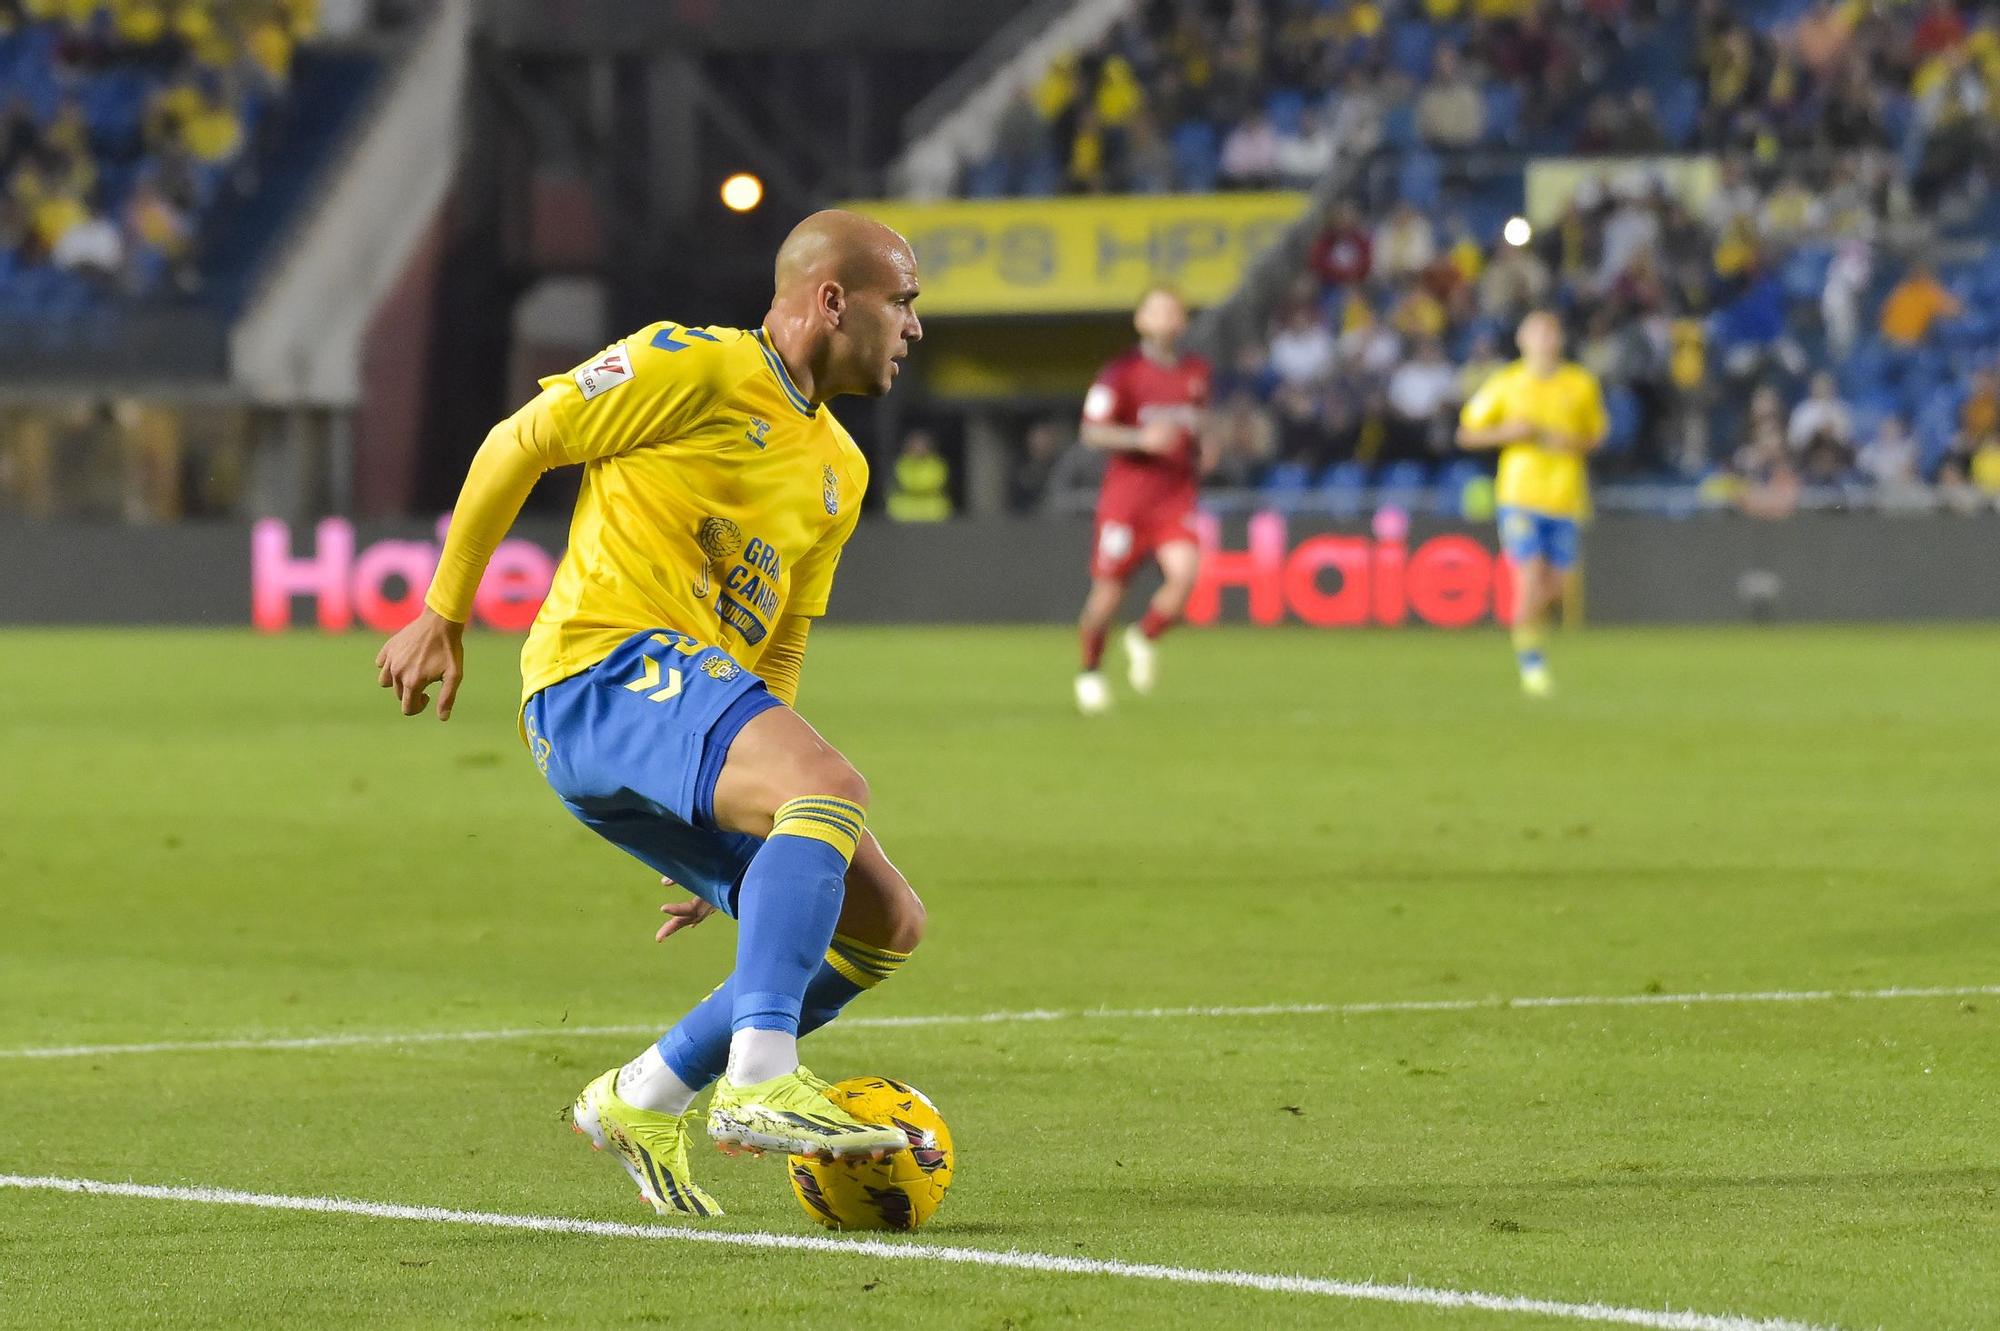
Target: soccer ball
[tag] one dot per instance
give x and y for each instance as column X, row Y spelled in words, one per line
column 900, row 1191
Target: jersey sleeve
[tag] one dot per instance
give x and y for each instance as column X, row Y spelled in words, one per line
column 650, row 386
column 1487, row 407
column 1593, row 420
column 784, row 657
column 1109, row 402
column 812, row 578
column 513, row 457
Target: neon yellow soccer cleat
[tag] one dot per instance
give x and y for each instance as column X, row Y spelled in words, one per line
column 652, row 1146
column 795, row 1114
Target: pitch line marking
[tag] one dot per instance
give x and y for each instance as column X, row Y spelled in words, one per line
column 1366, row 1291
column 339, row 1041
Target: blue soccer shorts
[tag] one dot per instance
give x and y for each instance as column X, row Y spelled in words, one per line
column 1526, row 534
column 634, row 746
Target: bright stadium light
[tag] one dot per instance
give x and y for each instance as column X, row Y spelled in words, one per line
column 1517, row 232
column 742, row 192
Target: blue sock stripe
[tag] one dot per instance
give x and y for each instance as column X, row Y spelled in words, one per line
column 879, row 967
column 825, row 820
column 870, row 950
column 824, row 804
column 832, row 817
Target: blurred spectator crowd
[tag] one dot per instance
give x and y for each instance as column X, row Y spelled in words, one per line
column 1194, row 95
column 123, row 125
column 1766, row 333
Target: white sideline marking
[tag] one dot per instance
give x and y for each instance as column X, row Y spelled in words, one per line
column 1026, row 1015
column 1359, row 1290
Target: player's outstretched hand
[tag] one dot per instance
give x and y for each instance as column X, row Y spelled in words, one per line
column 681, row 914
column 1159, row 437
column 429, row 650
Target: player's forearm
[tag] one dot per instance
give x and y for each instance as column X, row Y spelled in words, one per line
column 503, row 472
column 1477, row 441
column 784, row 657
column 1110, row 438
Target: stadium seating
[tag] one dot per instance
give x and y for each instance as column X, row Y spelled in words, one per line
column 151, row 151
column 1737, row 298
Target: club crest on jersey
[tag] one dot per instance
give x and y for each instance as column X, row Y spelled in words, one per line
column 721, row 668
column 759, row 429
column 830, row 490
column 605, row 373
column 718, row 538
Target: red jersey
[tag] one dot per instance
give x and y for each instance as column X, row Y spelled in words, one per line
column 1137, row 390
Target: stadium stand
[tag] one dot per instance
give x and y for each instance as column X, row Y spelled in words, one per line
column 1848, row 229
column 150, row 151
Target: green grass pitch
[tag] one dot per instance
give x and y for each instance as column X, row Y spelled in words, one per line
column 210, row 835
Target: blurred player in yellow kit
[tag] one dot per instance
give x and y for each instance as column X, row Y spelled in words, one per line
column 659, row 677
column 1546, row 416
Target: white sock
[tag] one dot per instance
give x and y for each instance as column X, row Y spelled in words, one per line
column 648, row 1083
column 757, row 1055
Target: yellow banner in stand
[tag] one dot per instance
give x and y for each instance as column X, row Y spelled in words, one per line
column 1083, row 255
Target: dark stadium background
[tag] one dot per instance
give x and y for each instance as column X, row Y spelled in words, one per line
column 381, row 221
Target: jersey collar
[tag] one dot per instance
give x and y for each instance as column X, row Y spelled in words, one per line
column 771, row 358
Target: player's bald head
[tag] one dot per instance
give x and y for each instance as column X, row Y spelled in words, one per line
column 845, row 302
column 833, row 245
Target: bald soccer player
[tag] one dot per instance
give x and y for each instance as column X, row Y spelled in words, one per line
column 659, row 678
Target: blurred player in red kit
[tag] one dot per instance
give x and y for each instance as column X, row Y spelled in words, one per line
column 1147, row 409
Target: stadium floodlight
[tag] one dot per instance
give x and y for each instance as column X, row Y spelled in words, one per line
column 1517, row 232
column 742, row 192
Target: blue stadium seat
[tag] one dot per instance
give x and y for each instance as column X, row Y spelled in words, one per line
column 1804, row 274
column 1503, row 114
column 1286, row 481
column 1287, row 108
column 1623, row 405
column 1420, row 179
column 1344, row 488
column 1399, row 126
column 1451, row 483
column 1680, row 110
column 985, row 179
column 1411, row 45
column 1406, row 482
column 1196, row 156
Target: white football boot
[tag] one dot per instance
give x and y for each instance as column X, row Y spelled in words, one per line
column 1093, row 695
column 1142, row 663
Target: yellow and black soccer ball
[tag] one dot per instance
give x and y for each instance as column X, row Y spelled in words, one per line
column 900, row 1191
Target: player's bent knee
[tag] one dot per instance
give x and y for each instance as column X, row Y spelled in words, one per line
column 836, row 778
column 906, row 923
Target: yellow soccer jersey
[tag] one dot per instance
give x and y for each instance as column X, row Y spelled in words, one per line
column 715, row 499
column 1548, row 481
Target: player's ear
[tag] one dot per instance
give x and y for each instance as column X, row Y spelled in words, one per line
column 832, row 302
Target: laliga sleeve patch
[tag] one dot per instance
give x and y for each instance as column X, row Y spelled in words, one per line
column 605, row 373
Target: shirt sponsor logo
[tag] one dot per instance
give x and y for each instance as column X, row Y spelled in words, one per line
column 605, row 373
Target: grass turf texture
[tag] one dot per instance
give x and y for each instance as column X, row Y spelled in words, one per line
column 211, row 835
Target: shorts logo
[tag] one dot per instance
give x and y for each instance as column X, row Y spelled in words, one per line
column 721, row 668
column 759, row 428
column 830, row 490
column 605, row 373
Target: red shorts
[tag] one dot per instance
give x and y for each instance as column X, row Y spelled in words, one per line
column 1126, row 538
